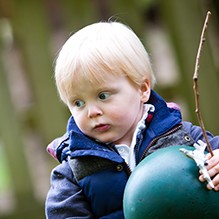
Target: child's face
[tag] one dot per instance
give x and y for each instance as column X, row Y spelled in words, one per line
column 110, row 111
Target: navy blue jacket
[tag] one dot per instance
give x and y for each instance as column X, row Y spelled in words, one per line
column 90, row 181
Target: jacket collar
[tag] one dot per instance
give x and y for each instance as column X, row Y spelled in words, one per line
column 166, row 116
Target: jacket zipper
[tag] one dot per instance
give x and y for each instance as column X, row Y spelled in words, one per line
column 128, row 170
column 177, row 127
column 155, row 139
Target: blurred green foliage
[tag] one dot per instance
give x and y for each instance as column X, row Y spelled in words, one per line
column 5, row 180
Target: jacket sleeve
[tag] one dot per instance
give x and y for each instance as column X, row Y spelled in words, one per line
column 197, row 134
column 65, row 198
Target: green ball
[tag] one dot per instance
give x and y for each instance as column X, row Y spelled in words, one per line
column 165, row 185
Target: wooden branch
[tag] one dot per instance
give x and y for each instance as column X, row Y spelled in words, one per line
column 195, row 86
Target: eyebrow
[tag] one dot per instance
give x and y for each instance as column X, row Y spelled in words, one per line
column 72, row 98
column 106, row 87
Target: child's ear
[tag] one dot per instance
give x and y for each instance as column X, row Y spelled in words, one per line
column 145, row 91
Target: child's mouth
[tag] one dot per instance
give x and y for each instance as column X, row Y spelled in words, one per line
column 101, row 127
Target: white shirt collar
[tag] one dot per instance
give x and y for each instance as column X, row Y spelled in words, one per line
column 127, row 152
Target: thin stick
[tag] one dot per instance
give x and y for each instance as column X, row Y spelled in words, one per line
column 195, row 86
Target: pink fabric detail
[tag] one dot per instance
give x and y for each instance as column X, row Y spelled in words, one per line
column 173, row 106
column 51, row 149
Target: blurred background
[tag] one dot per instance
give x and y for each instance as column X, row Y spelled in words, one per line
column 31, row 114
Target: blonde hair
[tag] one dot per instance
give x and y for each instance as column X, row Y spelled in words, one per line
column 99, row 49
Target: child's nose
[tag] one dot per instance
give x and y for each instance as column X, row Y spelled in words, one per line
column 94, row 111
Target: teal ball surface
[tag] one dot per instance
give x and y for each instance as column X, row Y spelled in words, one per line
column 165, row 185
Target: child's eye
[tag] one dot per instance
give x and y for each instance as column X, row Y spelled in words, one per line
column 79, row 103
column 104, row 95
